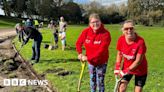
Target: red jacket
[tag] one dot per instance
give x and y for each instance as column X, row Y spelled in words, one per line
column 96, row 45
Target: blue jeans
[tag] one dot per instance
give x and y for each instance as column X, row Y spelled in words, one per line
column 97, row 75
column 36, row 48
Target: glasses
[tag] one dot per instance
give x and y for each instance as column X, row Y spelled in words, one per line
column 129, row 28
column 95, row 22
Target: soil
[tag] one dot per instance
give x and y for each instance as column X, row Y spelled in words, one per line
column 11, row 67
column 59, row 72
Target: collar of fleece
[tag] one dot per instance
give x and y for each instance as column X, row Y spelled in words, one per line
column 99, row 29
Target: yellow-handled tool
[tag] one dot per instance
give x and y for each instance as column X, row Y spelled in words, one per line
column 81, row 75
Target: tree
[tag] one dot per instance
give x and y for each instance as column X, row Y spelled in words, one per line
column 6, row 6
column 18, row 7
column 146, row 12
column 71, row 11
column 123, row 10
column 45, row 8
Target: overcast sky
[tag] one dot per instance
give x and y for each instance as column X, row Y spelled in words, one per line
column 103, row 2
column 1, row 12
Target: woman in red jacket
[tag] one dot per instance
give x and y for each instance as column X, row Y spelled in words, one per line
column 96, row 40
column 131, row 48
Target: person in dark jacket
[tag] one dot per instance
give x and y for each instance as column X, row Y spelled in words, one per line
column 32, row 33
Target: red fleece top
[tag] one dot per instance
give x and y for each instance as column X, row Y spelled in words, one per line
column 129, row 53
column 96, row 45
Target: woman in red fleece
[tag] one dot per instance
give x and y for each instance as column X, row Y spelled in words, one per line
column 131, row 48
column 96, row 40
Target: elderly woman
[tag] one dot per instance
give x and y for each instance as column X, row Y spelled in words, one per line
column 96, row 40
column 131, row 48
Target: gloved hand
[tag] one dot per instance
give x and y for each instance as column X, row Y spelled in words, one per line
column 124, row 72
column 117, row 68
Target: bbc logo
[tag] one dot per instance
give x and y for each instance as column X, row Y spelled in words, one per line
column 23, row 82
column 14, row 82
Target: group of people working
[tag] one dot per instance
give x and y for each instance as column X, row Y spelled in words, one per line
column 28, row 31
column 130, row 58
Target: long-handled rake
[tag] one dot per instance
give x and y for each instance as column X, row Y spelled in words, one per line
column 81, row 75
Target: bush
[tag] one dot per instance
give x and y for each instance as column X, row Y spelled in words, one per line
column 162, row 23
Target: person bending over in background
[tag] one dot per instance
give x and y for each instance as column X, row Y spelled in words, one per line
column 32, row 33
column 19, row 33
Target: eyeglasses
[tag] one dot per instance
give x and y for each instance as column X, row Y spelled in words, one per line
column 129, row 28
column 93, row 22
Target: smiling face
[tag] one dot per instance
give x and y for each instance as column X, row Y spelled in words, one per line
column 95, row 23
column 128, row 30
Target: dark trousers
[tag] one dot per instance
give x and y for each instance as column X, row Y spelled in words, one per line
column 20, row 35
column 36, row 48
column 55, row 37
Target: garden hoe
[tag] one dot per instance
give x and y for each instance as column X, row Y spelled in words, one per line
column 117, row 83
column 81, row 75
column 51, row 46
column 118, row 80
column 18, row 51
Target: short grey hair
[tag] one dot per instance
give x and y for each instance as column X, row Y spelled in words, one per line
column 94, row 15
column 17, row 25
column 128, row 21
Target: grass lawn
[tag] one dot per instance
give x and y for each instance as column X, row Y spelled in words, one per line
column 58, row 61
column 7, row 22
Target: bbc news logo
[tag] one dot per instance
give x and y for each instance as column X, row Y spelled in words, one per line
column 24, row 82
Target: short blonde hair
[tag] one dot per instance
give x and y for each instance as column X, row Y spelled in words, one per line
column 18, row 25
column 128, row 21
column 94, row 15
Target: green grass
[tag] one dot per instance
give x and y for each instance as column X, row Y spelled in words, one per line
column 154, row 38
column 8, row 22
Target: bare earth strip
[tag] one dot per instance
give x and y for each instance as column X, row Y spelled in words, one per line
column 5, row 33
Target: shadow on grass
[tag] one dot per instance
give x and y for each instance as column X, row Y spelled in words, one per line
column 58, row 60
column 58, row 72
column 46, row 42
column 70, row 48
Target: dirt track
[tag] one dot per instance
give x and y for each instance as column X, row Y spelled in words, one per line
column 5, row 33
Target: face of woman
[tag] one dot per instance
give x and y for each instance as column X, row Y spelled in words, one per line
column 19, row 28
column 61, row 19
column 95, row 23
column 128, row 30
